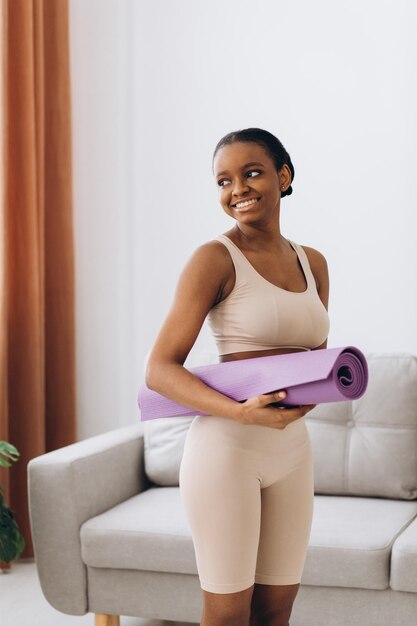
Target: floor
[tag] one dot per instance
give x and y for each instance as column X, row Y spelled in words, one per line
column 22, row 601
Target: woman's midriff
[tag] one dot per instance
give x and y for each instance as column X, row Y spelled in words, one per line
column 252, row 354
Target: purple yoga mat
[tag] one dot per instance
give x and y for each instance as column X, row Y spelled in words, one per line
column 313, row 377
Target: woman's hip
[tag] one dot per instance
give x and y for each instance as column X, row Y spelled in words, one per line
column 213, row 430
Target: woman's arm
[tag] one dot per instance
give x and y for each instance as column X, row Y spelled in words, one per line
column 197, row 291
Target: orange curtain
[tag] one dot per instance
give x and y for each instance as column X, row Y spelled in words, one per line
column 37, row 317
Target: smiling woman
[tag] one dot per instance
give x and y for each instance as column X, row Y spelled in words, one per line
column 246, row 476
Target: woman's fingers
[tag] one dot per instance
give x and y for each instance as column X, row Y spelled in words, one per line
column 275, row 396
column 285, row 416
column 253, row 410
column 303, row 408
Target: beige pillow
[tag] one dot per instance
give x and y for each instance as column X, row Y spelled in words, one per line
column 164, row 441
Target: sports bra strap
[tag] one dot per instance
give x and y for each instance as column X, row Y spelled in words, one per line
column 243, row 263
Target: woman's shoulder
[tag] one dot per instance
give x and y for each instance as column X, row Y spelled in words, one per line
column 315, row 257
column 318, row 265
column 212, row 250
column 212, row 256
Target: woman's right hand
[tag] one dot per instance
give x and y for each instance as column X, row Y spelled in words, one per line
column 256, row 411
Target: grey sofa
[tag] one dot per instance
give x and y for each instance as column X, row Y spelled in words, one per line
column 111, row 537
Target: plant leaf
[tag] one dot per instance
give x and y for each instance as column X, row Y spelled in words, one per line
column 8, row 451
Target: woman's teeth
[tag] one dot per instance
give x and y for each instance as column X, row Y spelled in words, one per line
column 242, row 205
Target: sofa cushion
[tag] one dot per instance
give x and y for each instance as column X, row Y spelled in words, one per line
column 146, row 532
column 404, row 560
column 368, row 447
column 164, row 441
column 351, row 540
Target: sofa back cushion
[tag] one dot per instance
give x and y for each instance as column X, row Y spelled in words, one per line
column 367, row 447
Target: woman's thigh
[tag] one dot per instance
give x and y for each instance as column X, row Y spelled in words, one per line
column 287, row 512
column 220, row 491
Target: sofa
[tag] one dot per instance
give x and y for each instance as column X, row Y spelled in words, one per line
column 111, row 538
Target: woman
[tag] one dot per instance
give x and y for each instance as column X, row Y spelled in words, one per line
column 246, row 476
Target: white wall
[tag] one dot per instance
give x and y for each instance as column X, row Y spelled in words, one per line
column 101, row 66
column 156, row 83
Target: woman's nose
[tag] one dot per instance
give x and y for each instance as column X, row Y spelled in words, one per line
column 239, row 187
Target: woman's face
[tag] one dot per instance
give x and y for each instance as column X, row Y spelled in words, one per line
column 249, row 185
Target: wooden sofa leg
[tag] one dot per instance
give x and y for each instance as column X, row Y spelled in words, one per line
column 107, row 620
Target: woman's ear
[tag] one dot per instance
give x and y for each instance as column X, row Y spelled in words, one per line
column 284, row 177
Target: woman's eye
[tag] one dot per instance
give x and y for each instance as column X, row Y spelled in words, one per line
column 226, row 180
column 254, row 172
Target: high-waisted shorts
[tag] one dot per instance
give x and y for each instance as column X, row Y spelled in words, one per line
column 248, row 493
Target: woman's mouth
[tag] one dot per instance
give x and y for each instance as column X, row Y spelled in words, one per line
column 246, row 205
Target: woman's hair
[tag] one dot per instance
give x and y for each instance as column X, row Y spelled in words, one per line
column 266, row 140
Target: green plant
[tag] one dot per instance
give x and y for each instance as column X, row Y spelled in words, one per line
column 12, row 542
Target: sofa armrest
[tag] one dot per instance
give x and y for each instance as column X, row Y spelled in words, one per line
column 69, row 486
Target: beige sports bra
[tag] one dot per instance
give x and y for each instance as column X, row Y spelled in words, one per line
column 258, row 315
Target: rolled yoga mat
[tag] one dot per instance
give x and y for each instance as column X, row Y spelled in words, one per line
column 309, row 377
